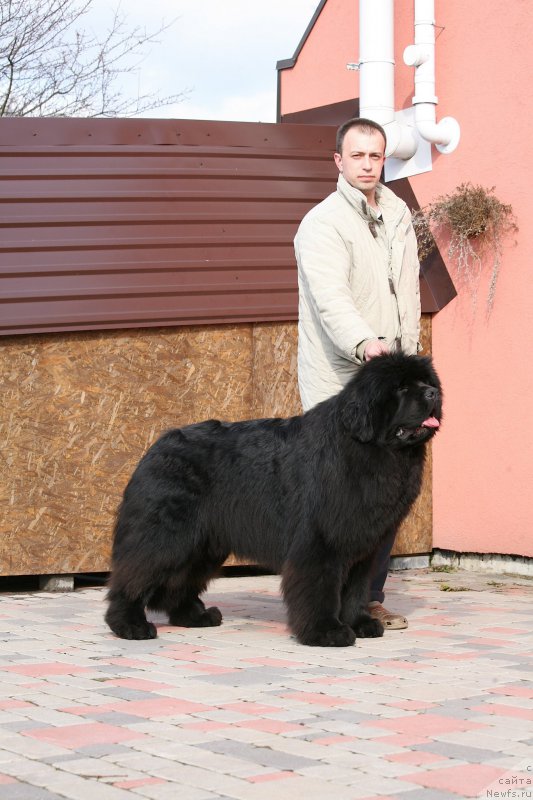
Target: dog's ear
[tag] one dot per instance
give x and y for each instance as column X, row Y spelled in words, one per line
column 358, row 419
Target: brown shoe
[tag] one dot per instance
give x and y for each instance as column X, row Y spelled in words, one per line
column 389, row 620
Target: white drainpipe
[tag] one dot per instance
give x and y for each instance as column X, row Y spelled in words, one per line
column 376, row 75
column 445, row 134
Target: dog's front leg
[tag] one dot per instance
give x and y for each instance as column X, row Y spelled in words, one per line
column 311, row 587
column 354, row 600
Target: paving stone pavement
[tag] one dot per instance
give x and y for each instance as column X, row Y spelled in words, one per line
column 443, row 709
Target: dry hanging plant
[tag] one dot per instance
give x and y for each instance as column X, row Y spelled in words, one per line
column 477, row 223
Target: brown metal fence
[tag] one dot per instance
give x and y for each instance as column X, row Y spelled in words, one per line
column 140, row 223
column 112, row 223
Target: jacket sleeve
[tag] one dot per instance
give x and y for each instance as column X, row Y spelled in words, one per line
column 324, row 265
column 412, row 250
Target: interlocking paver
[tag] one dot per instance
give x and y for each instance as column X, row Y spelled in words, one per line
column 24, row 791
column 443, row 709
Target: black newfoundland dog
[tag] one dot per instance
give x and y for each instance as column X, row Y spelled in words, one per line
column 311, row 497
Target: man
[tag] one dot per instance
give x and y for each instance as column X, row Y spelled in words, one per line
column 359, row 296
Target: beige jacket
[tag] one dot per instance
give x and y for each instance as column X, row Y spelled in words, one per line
column 344, row 275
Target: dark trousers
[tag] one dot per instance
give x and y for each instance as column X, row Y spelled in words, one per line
column 380, row 569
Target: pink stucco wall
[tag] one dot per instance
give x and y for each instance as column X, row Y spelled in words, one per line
column 320, row 76
column 483, row 457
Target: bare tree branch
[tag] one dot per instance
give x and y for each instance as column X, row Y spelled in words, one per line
column 50, row 65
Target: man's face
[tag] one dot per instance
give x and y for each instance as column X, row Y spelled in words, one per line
column 361, row 160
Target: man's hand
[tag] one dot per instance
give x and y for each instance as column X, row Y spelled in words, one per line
column 375, row 347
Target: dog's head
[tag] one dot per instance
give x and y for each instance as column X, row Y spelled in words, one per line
column 394, row 401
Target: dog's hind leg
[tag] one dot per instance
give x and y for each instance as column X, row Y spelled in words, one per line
column 354, row 601
column 311, row 585
column 126, row 617
column 192, row 613
column 183, row 603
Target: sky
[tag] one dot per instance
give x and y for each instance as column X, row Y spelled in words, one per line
column 224, row 52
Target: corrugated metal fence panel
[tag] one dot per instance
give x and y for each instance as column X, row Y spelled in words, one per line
column 139, row 223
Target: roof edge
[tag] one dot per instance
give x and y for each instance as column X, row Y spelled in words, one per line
column 288, row 63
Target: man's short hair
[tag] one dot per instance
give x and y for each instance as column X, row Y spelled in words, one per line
column 364, row 125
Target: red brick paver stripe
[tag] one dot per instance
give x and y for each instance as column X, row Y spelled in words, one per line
column 6, row 705
column 513, row 691
column 270, row 776
column 6, row 779
column 73, row 736
column 318, row 699
column 501, row 710
column 39, row 670
column 425, row 724
column 158, row 707
column 466, row 781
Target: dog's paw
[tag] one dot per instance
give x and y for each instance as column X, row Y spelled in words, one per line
column 195, row 618
column 214, row 616
column 138, row 630
column 340, row 636
column 366, row 627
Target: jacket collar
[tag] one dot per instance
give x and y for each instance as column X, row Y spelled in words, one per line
column 392, row 207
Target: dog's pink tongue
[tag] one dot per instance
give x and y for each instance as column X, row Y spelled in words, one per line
column 431, row 422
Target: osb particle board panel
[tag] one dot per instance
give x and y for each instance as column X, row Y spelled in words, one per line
column 275, row 379
column 79, row 410
column 416, row 533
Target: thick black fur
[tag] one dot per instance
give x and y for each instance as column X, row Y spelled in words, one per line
column 311, row 497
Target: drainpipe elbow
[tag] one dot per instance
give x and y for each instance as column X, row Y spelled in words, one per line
column 445, row 135
column 414, row 55
column 401, row 141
